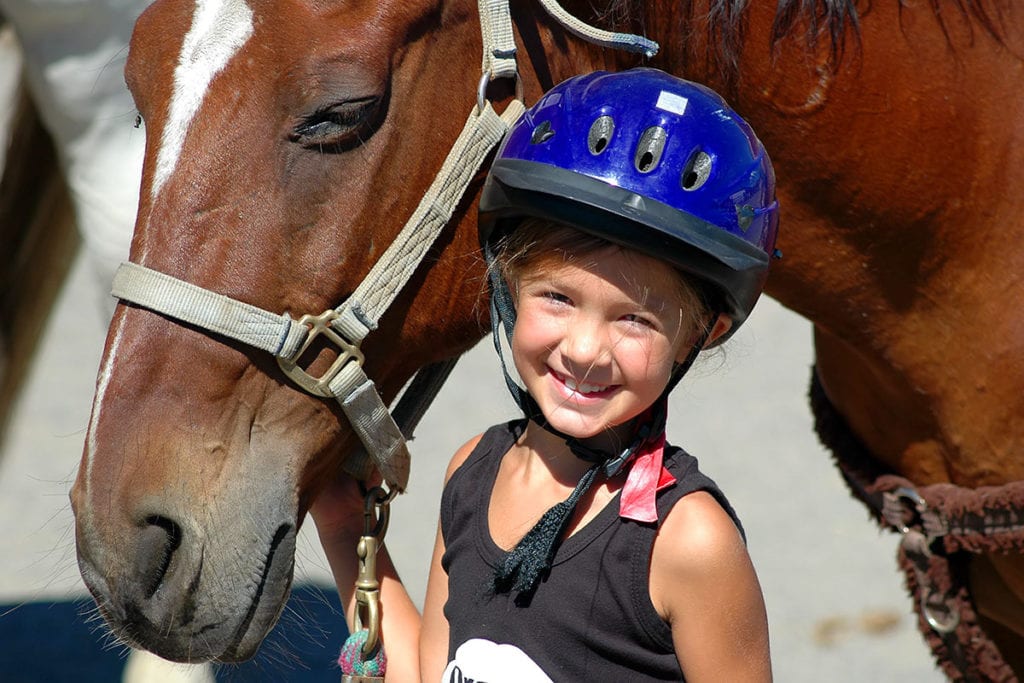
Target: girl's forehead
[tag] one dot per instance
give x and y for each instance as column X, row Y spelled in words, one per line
column 632, row 272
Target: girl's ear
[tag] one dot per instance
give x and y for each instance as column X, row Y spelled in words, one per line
column 722, row 325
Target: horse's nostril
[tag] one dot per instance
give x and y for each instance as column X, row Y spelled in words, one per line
column 157, row 542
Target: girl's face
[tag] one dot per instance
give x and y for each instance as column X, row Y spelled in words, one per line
column 595, row 340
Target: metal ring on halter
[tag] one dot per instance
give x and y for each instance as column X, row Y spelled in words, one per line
column 377, row 499
column 941, row 625
column 485, row 82
column 900, row 497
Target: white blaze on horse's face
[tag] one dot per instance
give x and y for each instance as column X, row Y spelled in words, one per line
column 219, row 30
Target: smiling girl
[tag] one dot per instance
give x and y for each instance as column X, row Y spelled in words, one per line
column 628, row 222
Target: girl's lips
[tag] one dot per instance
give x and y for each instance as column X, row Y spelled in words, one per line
column 582, row 389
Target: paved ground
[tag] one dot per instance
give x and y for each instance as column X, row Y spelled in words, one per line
column 837, row 609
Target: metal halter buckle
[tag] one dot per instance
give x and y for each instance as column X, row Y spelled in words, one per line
column 347, row 353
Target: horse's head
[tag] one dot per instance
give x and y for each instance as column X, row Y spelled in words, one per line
column 287, row 142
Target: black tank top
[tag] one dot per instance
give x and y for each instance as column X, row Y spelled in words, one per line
column 591, row 619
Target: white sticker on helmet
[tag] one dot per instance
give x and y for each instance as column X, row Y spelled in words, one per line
column 671, row 102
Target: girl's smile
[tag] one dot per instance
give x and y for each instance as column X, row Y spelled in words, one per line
column 582, row 390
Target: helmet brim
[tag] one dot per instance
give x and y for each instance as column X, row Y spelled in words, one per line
column 517, row 189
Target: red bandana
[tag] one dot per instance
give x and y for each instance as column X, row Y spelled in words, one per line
column 646, row 477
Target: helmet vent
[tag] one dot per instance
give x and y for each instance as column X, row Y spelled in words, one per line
column 600, row 134
column 649, row 149
column 696, row 171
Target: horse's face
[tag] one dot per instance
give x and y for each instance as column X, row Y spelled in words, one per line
column 279, row 165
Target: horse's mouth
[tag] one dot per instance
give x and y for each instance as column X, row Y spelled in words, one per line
column 200, row 617
column 276, row 570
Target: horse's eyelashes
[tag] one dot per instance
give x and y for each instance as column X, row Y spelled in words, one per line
column 339, row 126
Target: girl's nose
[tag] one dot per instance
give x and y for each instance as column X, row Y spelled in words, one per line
column 584, row 344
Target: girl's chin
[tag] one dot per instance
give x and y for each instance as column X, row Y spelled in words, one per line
column 599, row 437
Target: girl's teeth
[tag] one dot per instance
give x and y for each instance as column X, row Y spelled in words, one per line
column 582, row 388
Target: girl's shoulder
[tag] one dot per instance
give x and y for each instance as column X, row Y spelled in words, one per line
column 698, row 530
column 462, row 455
column 697, row 545
column 702, row 583
column 499, row 437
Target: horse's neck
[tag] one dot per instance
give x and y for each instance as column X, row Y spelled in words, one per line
column 548, row 56
column 931, row 381
column 906, row 269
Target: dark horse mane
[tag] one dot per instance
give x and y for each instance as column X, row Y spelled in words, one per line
column 833, row 20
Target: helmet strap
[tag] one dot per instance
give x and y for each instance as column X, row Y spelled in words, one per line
column 698, row 345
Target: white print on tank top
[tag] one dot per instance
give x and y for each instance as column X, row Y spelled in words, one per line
column 482, row 661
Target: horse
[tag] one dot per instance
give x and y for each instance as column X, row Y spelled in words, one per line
column 71, row 169
column 40, row 242
column 285, row 144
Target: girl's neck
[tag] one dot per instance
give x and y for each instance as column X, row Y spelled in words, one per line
column 550, row 451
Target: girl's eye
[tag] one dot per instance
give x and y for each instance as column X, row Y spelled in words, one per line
column 557, row 297
column 638, row 319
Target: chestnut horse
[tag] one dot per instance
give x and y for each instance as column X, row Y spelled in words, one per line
column 288, row 141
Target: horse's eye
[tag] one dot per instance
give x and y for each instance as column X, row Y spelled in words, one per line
column 338, row 127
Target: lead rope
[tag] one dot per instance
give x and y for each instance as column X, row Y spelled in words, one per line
column 620, row 41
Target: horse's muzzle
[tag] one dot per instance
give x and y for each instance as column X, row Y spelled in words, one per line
column 164, row 592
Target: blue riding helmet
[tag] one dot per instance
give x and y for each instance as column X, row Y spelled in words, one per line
column 649, row 161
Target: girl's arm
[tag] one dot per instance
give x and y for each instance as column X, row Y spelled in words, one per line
column 703, row 583
column 338, row 513
column 416, row 647
column 434, row 636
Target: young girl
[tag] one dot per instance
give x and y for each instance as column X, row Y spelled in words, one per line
column 628, row 222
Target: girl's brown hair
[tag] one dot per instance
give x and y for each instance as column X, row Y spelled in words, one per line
column 538, row 243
